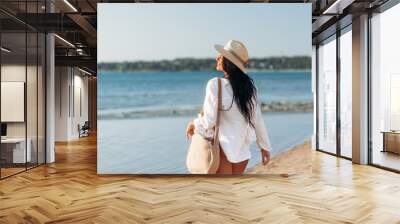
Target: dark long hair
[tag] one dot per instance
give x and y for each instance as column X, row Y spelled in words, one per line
column 244, row 91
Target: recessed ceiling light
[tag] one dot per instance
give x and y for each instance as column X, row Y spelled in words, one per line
column 338, row 6
column 5, row 50
column 84, row 71
column 64, row 40
column 70, row 5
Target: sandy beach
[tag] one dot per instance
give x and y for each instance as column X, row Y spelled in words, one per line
column 296, row 160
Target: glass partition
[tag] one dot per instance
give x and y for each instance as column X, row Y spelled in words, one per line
column 31, row 99
column 346, row 92
column 22, row 78
column 14, row 153
column 385, row 89
column 34, row 58
column 327, row 95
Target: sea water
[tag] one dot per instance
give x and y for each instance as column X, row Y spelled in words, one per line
column 156, row 144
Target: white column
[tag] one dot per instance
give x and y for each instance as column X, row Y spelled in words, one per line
column 314, row 91
column 50, row 99
column 360, row 90
column 50, row 92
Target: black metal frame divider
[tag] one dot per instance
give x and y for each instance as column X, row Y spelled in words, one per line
column 338, row 74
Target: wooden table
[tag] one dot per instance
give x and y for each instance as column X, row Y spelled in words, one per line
column 13, row 150
column 391, row 141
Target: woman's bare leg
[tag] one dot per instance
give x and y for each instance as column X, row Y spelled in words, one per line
column 238, row 168
column 225, row 167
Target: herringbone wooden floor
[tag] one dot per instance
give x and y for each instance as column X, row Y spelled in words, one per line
column 70, row 191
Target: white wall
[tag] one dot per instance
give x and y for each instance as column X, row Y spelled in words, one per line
column 33, row 126
column 80, row 109
column 17, row 73
column 80, row 118
column 14, row 73
column 62, row 81
column 70, row 83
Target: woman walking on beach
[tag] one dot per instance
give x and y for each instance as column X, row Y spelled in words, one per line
column 241, row 116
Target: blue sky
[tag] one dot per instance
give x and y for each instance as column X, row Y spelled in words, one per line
column 130, row 32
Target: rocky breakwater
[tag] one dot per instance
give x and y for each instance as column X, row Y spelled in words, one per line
column 284, row 106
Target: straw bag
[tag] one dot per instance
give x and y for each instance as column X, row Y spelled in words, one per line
column 203, row 154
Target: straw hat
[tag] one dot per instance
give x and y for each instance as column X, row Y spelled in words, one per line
column 234, row 51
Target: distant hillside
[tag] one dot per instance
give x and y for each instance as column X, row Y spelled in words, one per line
column 207, row 64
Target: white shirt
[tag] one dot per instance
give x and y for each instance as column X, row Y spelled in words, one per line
column 235, row 134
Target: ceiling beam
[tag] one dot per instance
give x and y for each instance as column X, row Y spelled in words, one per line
column 86, row 26
column 337, row 7
column 49, row 22
column 321, row 22
column 77, row 61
